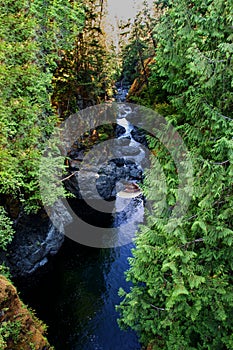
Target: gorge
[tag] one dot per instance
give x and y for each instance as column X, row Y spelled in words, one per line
column 75, row 293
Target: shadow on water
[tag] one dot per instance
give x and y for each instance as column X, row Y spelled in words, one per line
column 76, row 293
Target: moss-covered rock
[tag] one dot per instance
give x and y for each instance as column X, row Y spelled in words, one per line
column 20, row 329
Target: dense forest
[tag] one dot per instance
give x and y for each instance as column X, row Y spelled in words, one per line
column 182, row 294
column 55, row 60
column 58, row 58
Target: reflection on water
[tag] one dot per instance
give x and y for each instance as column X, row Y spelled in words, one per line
column 77, row 293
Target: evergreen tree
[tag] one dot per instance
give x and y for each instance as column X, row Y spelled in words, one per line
column 33, row 36
column 85, row 75
column 182, row 296
column 137, row 44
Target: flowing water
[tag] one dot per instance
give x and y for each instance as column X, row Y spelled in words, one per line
column 77, row 292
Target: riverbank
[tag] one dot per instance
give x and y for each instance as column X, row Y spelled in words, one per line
column 19, row 327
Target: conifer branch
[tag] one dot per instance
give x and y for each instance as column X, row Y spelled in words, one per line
column 213, row 163
column 220, row 114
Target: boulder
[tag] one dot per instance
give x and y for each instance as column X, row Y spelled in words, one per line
column 119, row 130
column 118, row 161
column 139, row 136
column 105, row 186
column 123, row 141
column 126, row 151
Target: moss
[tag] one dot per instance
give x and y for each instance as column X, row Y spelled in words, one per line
column 103, row 137
column 20, row 329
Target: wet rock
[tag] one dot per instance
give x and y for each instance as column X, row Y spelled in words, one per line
column 109, row 169
column 105, row 186
column 78, row 155
column 136, row 173
column 118, row 161
column 124, row 141
column 122, row 92
column 119, row 130
column 129, row 162
column 121, row 173
column 85, row 185
column 136, row 115
column 36, row 239
column 130, row 151
column 126, row 151
column 139, row 136
column 71, row 185
column 102, row 183
column 74, row 164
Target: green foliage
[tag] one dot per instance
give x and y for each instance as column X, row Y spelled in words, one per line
column 182, row 295
column 51, row 52
column 33, row 37
column 84, row 76
column 9, row 330
column 50, row 175
column 137, row 44
column 131, row 59
column 5, row 271
column 6, row 230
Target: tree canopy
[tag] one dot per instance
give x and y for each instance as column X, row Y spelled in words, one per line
column 182, row 296
column 54, row 60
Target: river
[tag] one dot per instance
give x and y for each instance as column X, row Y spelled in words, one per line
column 76, row 292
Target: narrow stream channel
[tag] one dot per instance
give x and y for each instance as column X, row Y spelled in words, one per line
column 77, row 295
column 77, row 291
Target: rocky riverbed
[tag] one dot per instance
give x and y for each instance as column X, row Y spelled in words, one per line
column 37, row 239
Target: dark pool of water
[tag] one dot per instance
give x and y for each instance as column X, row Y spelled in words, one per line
column 76, row 295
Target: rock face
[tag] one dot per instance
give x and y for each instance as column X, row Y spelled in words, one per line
column 36, row 239
column 20, row 329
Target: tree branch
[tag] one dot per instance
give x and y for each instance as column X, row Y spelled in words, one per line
column 220, row 114
column 195, row 241
column 192, row 217
column 68, row 177
column 157, row 308
column 225, row 117
column 221, row 163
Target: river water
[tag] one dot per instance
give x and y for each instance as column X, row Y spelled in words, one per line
column 76, row 298
column 76, row 293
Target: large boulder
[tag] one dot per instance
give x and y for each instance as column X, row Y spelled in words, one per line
column 126, row 151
